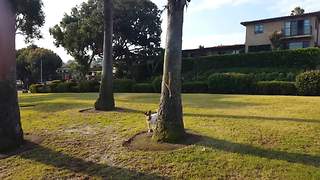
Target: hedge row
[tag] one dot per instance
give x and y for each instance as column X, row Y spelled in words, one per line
column 120, row 86
column 220, row 83
column 64, row 87
column 300, row 59
column 276, row 88
column 231, row 83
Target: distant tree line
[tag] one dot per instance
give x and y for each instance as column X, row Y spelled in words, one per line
column 136, row 38
column 30, row 60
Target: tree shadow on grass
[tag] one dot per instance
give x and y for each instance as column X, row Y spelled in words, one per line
column 253, row 118
column 59, row 160
column 128, row 110
column 117, row 109
column 244, row 149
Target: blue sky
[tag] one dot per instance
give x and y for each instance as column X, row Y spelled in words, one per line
column 207, row 22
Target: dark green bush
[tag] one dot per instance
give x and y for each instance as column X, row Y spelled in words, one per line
column 123, row 85
column 53, row 85
column 88, row 86
column 297, row 59
column 195, row 87
column 39, row 88
column 64, row 87
column 276, row 88
column 143, row 88
column 156, row 83
column 33, row 88
column 308, row 83
column 67, row 87
column 56, row 81
column 231, row 83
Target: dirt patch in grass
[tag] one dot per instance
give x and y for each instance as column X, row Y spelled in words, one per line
column 30, row 142
column 27, row 105
column 143, row 142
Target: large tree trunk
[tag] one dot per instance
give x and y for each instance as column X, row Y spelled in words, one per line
column 170, row 127
column 105, row 102
column 11, row 134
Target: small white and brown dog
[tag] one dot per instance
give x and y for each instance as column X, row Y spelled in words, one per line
column 151, row 120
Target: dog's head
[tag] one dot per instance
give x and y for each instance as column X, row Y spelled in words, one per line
column 148, row 115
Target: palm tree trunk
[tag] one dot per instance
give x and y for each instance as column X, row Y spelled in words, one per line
column 11, row 134
column 105, row 102
column 170, row 127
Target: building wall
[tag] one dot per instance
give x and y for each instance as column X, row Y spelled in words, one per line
column 253, row 39
column 318, row 32
column 314, row 25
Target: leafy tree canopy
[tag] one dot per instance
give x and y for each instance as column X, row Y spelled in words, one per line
column 137, row 31
column 29, row 64
column 30, row 18
column 297, row 11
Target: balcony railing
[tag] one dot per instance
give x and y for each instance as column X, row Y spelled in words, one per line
column 297, row 33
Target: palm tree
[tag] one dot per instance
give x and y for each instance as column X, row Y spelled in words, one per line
column 11, row 134
column 105, row 102
column 170, row 127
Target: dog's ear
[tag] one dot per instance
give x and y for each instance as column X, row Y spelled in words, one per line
column 150, row 113
column 146, row 113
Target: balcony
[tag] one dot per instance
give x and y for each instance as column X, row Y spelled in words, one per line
column 296, row 32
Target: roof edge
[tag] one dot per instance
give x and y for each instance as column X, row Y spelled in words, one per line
column 316, row 13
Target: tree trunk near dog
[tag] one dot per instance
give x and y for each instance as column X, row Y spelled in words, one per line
column 105, row 102
column 170, row 127
column 11, row 134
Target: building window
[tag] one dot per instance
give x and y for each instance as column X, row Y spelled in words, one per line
column 287, row 28
column 258, row 29
column 299, row 45
column 295, row 28
column 307, row 27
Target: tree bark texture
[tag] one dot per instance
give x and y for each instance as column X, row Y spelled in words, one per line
column 11, row 134
column 105, row 102
column 170, row 127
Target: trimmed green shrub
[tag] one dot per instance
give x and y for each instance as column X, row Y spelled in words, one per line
column 143, row 88
column 275, row 76
column 39, row 88
column 308, row 83
column 231, row 83
column 56, row 82
column 156, row 83
column 66, row 87
column 88, row 86
column 195, row 87
column 123, row 85
column 33, row 88
column 276, row 88
column 53, row 85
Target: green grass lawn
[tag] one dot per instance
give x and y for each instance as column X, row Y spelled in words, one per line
column 246, row 137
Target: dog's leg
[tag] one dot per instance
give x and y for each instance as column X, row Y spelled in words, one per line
column 149, row 127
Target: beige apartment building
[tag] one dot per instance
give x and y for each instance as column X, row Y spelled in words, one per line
column 299, row 31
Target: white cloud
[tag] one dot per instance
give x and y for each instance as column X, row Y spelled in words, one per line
column 54, row 11
column 202, row 5
column 198, row 6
